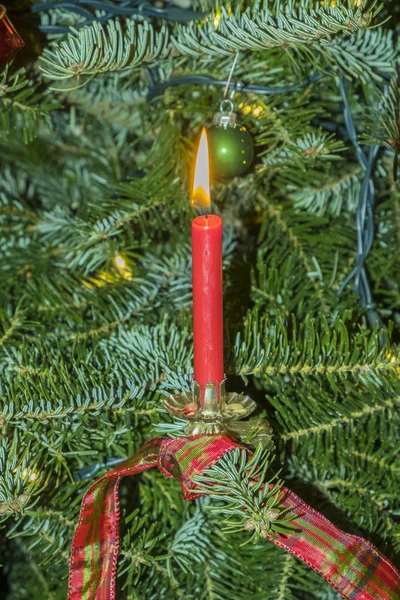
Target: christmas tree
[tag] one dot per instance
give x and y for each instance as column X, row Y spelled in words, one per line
column 100, row 116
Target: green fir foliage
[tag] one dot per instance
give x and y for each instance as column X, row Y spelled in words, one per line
column 95, row 289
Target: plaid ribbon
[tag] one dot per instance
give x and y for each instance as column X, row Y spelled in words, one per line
column 350, row 564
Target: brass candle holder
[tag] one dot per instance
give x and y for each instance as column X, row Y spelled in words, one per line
column 220, row 412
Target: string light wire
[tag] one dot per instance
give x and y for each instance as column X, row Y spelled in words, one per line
column 111, row 10
column 157, row 89
column 364, row 215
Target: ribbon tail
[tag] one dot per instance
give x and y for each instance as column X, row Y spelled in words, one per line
column 94, row 550
column 350, row 564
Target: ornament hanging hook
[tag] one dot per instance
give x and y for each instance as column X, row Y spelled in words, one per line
column 226, row 106
column 231, row 75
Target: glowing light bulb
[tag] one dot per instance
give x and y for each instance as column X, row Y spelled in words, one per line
column 120, row 262
column 30, row 475
column 217, row 19
column 123, row 269
column 257, row 111
column 390, row 356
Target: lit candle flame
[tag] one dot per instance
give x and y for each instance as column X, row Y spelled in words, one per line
column 201, row 184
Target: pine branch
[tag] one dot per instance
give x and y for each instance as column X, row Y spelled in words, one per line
column 20, row 478
column 328, row 428
column 349, row 420
column 369, row 55
column 384, row 260
column 12, row 326
column 284, row 589
column 36, row 569
column 138, row 550
column 58, row 413
column 299, row 27
column 298, row 243
column 357, row 492
column 334, row 196
column 316, row 348
column 316, row 421
column 22, row 106
column 160, row 490
column 191, row 544
column 334, row 36
column 384, row 122
column 14, row 323
column 251, row 499
column 285, row 153
column 379, row 460
column 47, row 531
column 99, row 49
column 67, row 413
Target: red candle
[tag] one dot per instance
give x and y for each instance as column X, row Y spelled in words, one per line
column 207, row 282
column 207, row 301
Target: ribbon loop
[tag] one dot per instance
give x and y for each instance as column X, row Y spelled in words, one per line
column 186, row 457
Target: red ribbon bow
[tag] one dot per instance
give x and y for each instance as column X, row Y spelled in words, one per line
column 350, row 564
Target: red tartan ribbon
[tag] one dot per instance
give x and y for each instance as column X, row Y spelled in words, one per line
column 350, row 564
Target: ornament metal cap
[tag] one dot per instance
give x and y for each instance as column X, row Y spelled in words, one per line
column 225, row 117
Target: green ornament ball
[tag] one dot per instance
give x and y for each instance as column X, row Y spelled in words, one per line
column 231, row 151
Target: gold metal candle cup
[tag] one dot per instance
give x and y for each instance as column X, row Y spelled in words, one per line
column 226, row 415
column 214, row 399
